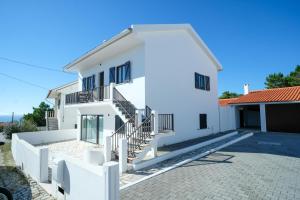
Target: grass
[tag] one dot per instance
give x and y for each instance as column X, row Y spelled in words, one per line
column 5, row 149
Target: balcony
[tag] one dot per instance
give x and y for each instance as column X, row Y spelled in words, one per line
column 95, row 95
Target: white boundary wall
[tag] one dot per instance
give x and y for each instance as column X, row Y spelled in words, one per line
column 32, row 160
column 227, row 118
column 81, row 180
column 78, row 179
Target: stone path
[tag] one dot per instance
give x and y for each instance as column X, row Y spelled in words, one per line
column 264, row 166
column 11, row 178
column 133, row 176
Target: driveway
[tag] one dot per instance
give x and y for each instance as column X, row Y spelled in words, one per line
column 264, row 166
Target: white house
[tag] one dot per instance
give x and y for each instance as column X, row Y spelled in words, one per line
column 147, row 83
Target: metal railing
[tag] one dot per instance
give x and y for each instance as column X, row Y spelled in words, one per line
column 139, row 136
column 165, row 122
column 126, row 107
column 97, row 94
column 123, row 132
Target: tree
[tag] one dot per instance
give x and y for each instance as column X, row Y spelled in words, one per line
column 38, row 115
column 278, row 80
column 228, row 95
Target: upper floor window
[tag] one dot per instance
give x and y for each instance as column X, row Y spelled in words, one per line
column 202, row 82
column 120, row 74
column 88, row 83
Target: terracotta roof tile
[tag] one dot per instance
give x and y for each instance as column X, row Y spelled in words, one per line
column 225, row 102
column 286, row 94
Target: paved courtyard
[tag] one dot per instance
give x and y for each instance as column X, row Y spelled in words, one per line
column 264, row 166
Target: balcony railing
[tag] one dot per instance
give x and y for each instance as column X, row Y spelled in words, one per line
column 165, row 122
column 97, row 94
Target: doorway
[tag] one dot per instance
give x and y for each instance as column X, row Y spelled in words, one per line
column 101, row 85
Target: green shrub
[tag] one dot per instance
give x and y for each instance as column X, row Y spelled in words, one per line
column 23, row 126
column 1, row 128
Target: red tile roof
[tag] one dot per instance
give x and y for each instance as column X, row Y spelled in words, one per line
column 225, row 102
column 287, row 94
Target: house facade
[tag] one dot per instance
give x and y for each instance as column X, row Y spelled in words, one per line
column 146, row 78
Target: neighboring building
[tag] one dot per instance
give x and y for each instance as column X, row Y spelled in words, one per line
column 62, row 117
column 163, row 68
column 274, row 110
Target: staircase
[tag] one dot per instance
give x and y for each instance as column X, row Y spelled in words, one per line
column 52, row 124
column 139, row 135
column 51, row 120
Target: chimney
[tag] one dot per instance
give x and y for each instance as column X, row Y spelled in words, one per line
column 246, row 89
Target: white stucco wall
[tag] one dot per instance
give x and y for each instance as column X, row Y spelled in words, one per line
column 66, row 116
column 172, row 58
column 227, row 118
column 104, row 109
column 133, row 91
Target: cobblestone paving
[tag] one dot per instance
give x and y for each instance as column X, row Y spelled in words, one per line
column 21, row 187
column 264, row 166
column 133, row 176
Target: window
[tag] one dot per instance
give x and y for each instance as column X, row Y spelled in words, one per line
column 203, row 121
column 88, row 83
column 123, row 73
column 202, row 82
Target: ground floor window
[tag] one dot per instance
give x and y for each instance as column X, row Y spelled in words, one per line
column 203, row 121
column 92, row 128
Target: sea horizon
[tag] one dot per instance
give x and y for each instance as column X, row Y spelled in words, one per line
column 7, row 118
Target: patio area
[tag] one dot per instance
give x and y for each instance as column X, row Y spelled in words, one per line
column 72, row 148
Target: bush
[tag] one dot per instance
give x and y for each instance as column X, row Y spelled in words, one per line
column 23, row 126
column 1, row 128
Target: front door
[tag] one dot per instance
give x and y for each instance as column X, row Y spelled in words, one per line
column 101, row 85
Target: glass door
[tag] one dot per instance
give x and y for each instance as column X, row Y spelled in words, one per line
column 92, row 128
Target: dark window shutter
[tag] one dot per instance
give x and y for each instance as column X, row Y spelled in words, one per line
column 127, row 71
column 84, row 84
column 112, row 75
column 93, row 81
column 207, row 83
column 196, row 80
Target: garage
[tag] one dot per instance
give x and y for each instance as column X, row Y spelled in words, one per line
column 283, row 117
column 275, row 110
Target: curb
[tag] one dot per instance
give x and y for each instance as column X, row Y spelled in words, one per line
column 188, row 160
column 141, row 165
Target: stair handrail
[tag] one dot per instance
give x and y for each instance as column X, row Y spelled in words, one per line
column 125, row 100
column 126, row 127
column 141, row 136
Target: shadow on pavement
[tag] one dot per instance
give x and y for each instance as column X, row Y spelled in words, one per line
column 283, row 144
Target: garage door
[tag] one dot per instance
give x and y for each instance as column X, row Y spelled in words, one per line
column 283, row 118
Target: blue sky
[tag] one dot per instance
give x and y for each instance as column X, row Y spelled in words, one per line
column 250, row 38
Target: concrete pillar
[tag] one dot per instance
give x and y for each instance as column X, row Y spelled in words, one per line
column 262, row 110
column 43, row 155
column 111, row 91
column 138, row 114
column 155, row 122
column 123, row 154
column 78, row 125
column 111, row 174
column 107, row 148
